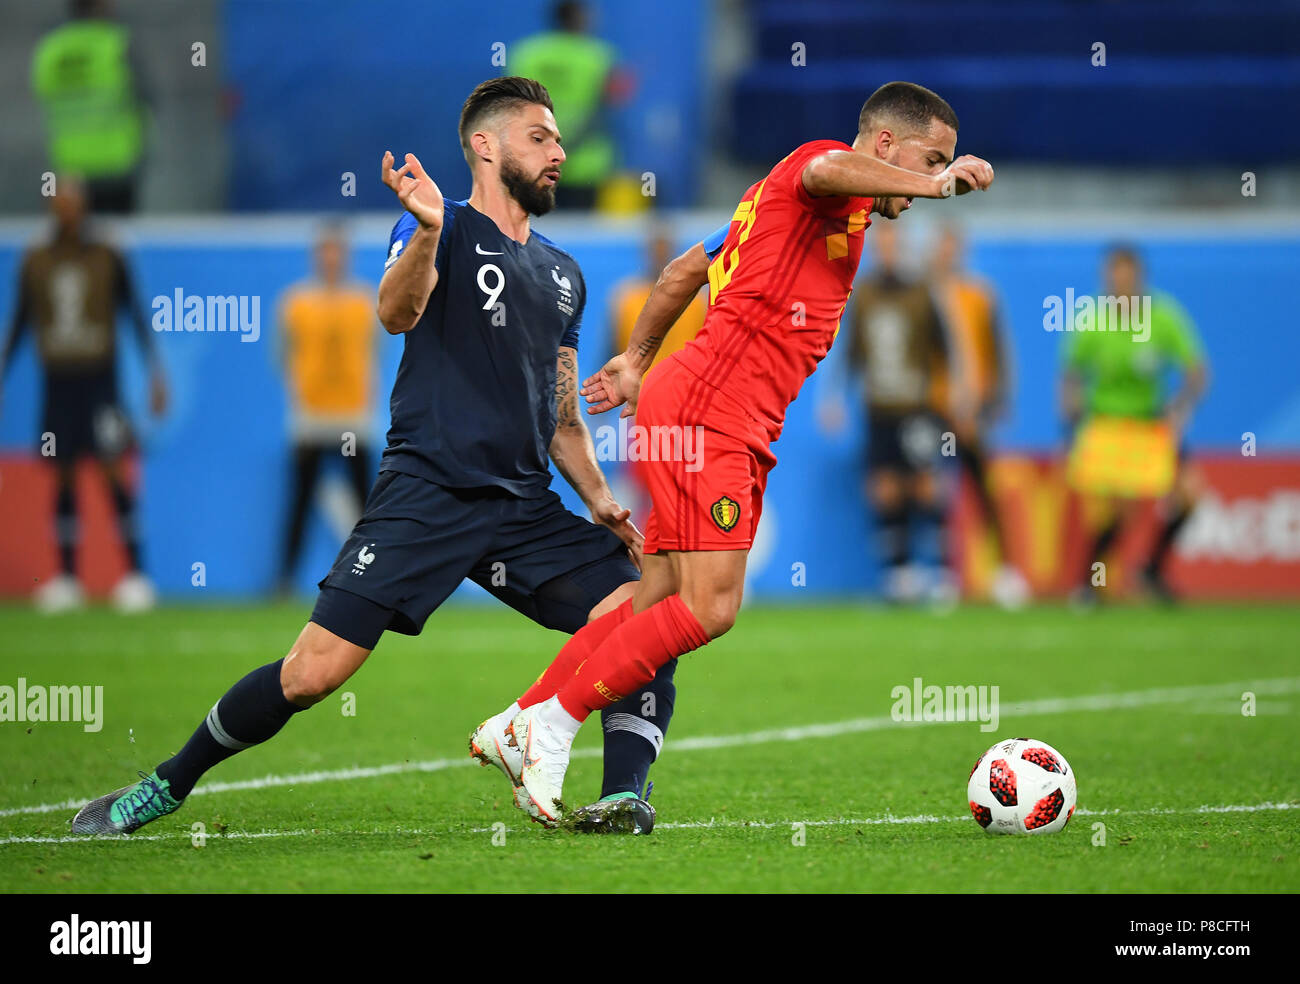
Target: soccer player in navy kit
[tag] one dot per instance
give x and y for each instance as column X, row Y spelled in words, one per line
column 486, row 391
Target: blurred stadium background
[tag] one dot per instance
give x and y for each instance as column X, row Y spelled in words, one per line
column 266, row 118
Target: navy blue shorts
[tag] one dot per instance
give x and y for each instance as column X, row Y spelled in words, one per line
column 416, row 542
column 907, row 442
column 85, row 417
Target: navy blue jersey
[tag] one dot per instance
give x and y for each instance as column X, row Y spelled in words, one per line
column 474, row 400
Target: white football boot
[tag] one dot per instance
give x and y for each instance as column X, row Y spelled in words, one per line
column 545, row 760
column 59, row 594
column 134, row 594
column 493, row 743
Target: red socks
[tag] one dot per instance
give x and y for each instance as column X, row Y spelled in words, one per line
column 630, row 656
column 575, row 652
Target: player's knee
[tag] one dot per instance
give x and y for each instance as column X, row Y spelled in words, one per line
column 305, row 684
column 310, row 674
column 718, row 620
column 716, row 614
column 612, row 600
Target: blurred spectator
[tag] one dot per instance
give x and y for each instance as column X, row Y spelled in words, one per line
column 328, row 346
column 579, row 72
column 977, row 391
column 71, row 290
column 897, row 344
column 1128, row 445
column 90, row 87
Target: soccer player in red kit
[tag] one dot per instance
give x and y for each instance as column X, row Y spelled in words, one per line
column 779, row 276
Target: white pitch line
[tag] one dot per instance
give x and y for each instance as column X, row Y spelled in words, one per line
column 696, row 825
column 1051, row 705
column 890, row 819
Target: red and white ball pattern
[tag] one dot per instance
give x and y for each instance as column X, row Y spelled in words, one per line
column 1022, row 786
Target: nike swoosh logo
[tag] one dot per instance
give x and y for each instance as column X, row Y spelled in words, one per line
column 530, row 761
column 485, row 252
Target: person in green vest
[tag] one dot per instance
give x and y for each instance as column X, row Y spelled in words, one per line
column 84, row 78
column 1115, row 368
column 579, row 72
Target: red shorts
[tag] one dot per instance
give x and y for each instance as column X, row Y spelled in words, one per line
column 705, row 461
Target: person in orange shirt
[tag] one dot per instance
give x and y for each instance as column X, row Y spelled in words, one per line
column 328, row 341
column 975, row 392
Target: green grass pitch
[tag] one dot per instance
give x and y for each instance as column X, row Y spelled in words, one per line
column 1149, row 715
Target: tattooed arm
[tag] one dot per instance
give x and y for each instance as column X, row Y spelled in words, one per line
column 575, row 456
column 677, row 286
column 619, row 380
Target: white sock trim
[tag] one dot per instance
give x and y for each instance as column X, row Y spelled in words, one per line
column 637, row 725
column 222, row 736
column 503, row 719
column 552, row 713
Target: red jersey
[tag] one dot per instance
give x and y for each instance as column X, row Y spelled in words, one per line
column 777, row 289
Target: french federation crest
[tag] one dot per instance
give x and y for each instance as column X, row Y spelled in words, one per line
column 725, row 513
column 565, row 288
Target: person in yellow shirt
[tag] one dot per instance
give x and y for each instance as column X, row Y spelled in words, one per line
column 974, row 394
column 328, row 344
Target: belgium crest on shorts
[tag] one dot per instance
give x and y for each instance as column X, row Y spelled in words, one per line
column 726, row 513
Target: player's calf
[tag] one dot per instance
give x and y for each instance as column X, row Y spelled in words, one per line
column 318, row 664
column 712, row 585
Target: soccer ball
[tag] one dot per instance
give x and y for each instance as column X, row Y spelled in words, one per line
column 1022, row 786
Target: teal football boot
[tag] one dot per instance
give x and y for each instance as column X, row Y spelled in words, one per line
column 618, row 813
column 126, row 810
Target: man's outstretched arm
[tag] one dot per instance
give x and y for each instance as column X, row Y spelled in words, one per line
column 404, row 291
column 619, row 380
column 671, row 295
column 843, row 172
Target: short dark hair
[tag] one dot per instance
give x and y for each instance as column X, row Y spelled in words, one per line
column 332, row 230
column 1124, row 251
column 569, row 15
column 494, row 95
column 906, row 103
